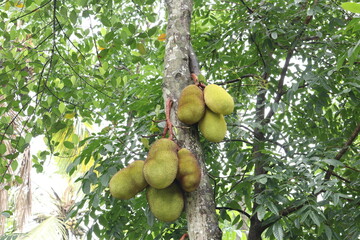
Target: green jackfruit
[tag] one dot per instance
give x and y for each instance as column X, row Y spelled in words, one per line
column 161, row 164
column 191, row 106
column 213, row 126
column 129, row 181
column 218, row 100
column 166, row 204
column 189, row 172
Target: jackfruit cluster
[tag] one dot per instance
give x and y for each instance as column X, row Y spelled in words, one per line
column 165, row 173
column 207, row 108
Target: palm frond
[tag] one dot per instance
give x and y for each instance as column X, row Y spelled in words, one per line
column 50, row 229
column 12, row 236
column 74, row 132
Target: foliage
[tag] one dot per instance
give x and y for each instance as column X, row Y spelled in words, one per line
column 301, row 56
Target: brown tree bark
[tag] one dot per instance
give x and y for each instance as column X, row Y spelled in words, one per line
column 256, row 228
column 200, row 205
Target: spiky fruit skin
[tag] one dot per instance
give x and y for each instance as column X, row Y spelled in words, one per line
column 166, row 204
column 161, row 164
column 191, row 106
column 129, row 181
column 213, row 126
column 189, row 173
column 218, row 100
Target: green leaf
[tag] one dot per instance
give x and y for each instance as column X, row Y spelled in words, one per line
column 132, row 28
column 14, row 165
column 12, row 156
column 86, row 187
column 328, row 232
column 62, row 107
column 96, row 201
column 104, row 179
column 2, row 148
column 152, row 31
column 304, row 216
column 73, row 17
column 109, row 147
column 273, row 208
column 6, row 213
column 278, row 231
column 351, row 6
column 68, row 144
column 334, row 162
column 261, row 211
column 28, row 137
column 18, row 179
column 315, row 218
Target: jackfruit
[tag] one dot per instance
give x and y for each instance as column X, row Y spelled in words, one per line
column 191, row 106
column 189, row 172
column 161, row 164
column 213, row 126
column 129, row 181
column 166, row 204
column 218, row 100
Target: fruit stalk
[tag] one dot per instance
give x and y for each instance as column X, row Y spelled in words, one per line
column 168, row 126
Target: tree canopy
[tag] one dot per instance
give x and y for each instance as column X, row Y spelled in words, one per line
column 289, row 165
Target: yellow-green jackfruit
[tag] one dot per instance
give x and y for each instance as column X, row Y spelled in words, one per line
column 189, row 172
column 191, row 106
column 218, row 100
column 161, row 164
column 166, row 204
column 213, row 126
column 129, row 181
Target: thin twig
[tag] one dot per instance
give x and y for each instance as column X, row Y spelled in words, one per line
column 238, row 140
column 240, row 79
column 77, row 74
column 34, row 10
column 234, row 209
column 68, row 38
column 336, row 175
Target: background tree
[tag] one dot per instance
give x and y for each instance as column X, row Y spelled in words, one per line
column 289, row 166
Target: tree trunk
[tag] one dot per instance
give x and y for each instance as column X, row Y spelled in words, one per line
column 256, row 228
column 200, row 205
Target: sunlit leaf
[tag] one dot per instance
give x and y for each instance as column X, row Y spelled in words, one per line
column 351, row 6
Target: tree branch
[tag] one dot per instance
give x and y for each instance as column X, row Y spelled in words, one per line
column 285, row 212
column 336, row 175
column 343, row 150
column 280, row 88
column 240, row 79
column 234, row 209
column 238, row 140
